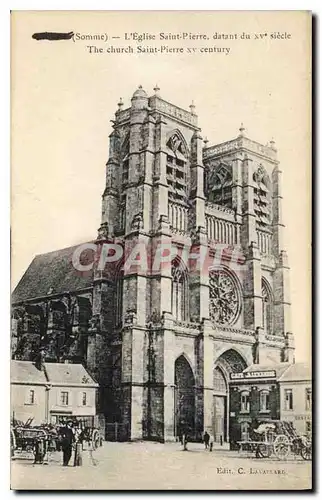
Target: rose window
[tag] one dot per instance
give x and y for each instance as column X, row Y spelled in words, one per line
column 223, row 298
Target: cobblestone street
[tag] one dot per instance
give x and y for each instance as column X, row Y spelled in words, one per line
column 148, row 466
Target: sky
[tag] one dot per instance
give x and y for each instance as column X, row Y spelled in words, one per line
column 63, row 99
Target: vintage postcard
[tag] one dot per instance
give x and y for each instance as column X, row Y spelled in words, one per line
column 161, row 243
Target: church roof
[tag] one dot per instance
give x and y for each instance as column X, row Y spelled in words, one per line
column 53, row 273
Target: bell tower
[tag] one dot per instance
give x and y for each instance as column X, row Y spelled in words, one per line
column 177, row 334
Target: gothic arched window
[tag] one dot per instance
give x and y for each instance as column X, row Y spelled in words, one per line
column 219, row 381
column 178, row 295
column 119, row 298
column 267, row 308
column 176, row 168
column 261, row 197
column 219, row 186
column 124, row 173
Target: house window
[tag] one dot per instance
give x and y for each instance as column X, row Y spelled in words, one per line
column 288, row 399
column 84, row 398
column 31, row 397
column 244, row 402
column 64, row 398
column 308, row 399
column 264, row 401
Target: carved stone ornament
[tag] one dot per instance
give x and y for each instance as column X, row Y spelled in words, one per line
column 94, row 323
column 137, row 221
column 224, row 300
column 155, row 317
column 130, row 317
column 163, row 222
column 104, row 231
column 260, row 174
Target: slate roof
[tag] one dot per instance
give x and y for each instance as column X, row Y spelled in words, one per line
column 68, row 374
column 279, row 368
column 54, row 373
column 297, row 372
column 25, row 371
column 53, row 271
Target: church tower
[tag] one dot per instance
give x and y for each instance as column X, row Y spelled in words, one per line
column 165, row 351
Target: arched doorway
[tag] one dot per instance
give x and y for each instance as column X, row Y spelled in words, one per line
column 184, row 398
column 228, row 362
column 220, row 405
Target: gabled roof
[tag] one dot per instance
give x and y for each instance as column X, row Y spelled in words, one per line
column 64, row 374
column 68, row 374
column 279, row 368
column 53, row 272
column 25, row 371
column 297, row 372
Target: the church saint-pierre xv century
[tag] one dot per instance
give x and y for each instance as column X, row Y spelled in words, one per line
column 163, row 340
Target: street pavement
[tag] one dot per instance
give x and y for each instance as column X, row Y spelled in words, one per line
column 155, row 466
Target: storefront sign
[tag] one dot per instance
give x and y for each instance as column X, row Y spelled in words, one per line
column 292, row 418
column 252, row 375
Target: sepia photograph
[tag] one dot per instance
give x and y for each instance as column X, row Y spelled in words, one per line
column 161, row 250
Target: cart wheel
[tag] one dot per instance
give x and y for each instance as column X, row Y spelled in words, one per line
column 306, row 453
column 264, row 450
column 282, row 447
column 282, row 450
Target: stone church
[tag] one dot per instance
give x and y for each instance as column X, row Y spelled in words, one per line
column 162, row 344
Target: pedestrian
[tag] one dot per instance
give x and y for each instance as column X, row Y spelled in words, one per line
column 180, row 434
column 185, row 441
column 68, row 439
column 211, row 442
column 78, row 434
column 40, row 451
column 206, row 438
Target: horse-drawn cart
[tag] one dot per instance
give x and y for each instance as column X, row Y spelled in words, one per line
column 278, row 439
column 38, row 442
column 30, row 442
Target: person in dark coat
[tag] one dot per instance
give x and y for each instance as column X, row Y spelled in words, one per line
column 68, row 438
column 206, row 438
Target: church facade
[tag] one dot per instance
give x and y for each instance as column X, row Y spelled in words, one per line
column 162, row 341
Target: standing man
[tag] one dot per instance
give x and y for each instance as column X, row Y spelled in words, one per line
column 206, row 438
column 67, row 442
column 78, row 445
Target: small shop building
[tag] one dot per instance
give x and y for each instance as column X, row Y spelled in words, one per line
column 296, row 397
column 52, row 392
column 262, row 393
